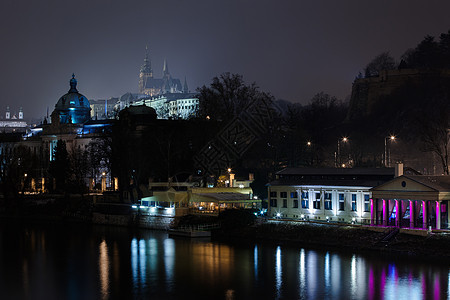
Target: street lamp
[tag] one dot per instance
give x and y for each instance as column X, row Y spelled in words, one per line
column 387, row 156
column 337, row 158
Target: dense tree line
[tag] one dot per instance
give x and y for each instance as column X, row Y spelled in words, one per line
column 429, row 53
column 418, row 109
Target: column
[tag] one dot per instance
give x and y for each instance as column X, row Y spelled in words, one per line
column 411, row 214
column 103, row 183
column 424, row 214
column 438, row 215
column 116, row 184
column 385, row 213
column 397, row 213
column 448, row 214
column 371, row 212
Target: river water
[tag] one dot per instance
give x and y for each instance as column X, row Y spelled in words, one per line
column 99, row 262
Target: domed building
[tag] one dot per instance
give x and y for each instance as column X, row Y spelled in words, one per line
column 72, row 108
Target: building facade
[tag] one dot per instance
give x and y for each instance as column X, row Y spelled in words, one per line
column 412, row 201
column 13, row 123
column 71, row 123
column 152, row 86
column 325, row 194
column 172, row 105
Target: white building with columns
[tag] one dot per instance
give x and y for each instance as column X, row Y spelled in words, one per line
column 325, row 194
column 412, row 201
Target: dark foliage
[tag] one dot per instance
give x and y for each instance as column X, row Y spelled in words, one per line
column 226, row 96
column 60, row 167
column 429, row 53
column 383, row 61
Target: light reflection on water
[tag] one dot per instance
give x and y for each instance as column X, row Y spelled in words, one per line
column 278, row 280
column 103, row 266
column 115, row 263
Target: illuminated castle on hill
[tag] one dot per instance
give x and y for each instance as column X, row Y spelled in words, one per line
column 152, row 86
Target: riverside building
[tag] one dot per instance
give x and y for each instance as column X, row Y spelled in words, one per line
column 412, row 201
column 325, row 194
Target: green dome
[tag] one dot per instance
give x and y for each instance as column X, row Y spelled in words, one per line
column 73, row 107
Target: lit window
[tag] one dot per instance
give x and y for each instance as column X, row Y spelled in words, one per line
column 341, row 201
column 316, row 201
column 366, row 202
column 354, row 202
column 305, row 200
column 273, row 202
column 328, row 204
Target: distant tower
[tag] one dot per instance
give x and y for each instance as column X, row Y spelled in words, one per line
column 8, row 113
column 185, row 86
column 166, row 73
column 146, row 72
column 21, row 114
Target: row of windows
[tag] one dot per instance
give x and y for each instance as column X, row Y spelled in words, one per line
column 328, row 204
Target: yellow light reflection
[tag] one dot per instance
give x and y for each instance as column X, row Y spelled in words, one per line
column 214, row 260
column 103, row 263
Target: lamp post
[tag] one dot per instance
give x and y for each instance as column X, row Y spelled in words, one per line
column 338, row 154
column 387, row 154
column 309, row 144
column 230, row 177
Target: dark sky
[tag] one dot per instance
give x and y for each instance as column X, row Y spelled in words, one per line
column 292, row 49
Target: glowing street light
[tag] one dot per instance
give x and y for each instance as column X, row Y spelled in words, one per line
column 387, row 156
column 337, row 158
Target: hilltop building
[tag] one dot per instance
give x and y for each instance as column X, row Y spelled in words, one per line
column 152, row 86
column 103, row 109
column 366, row 92
column 14, row 123
column 166, row 95
column 172, row 105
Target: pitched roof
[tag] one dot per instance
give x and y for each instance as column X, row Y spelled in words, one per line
column 438, row 182
column 363, row 177
column 336, row 171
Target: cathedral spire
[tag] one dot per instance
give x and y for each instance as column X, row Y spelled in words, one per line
column 166, row 69
column 185, row 86
column 146, row 68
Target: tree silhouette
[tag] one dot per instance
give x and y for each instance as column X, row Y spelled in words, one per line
column 59, row 167
column 226, row 96
column 383, row 61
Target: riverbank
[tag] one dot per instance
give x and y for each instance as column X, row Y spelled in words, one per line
column 340, row 237
column 243, row 228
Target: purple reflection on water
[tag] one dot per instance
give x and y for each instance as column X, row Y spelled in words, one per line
column 371, row 285
column 382, row 283
column 437, row 286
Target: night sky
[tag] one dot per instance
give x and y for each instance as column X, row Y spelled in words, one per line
column 292, row 49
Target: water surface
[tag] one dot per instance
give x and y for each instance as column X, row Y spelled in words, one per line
column 99, row 262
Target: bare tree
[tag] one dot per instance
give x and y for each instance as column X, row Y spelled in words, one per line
column 226, row 96
column 383, row 61
column 433, row 129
